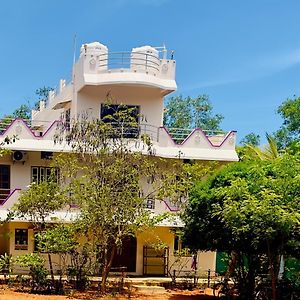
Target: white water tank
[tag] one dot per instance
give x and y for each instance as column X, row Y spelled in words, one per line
column 98, row 51
column 145, row 58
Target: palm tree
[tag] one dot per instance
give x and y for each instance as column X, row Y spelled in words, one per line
column 268, row 152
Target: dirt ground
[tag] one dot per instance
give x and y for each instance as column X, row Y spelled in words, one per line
column 10, row 294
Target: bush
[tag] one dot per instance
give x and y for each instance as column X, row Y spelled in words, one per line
column 37, row 271
column 6, row 265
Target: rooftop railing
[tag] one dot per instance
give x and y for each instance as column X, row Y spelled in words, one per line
column 180, row 134
column 129, row 60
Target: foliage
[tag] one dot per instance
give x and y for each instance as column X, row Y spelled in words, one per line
column 22, row 112
column 191, row 113
column 269, row 152
column 39, row 202
column 42, row 94
column 82, row 265
column 290, row 130
column 37, row 271
column 59, row 239
column 6, row 141
column 6, row 264
column 251, row 139
column 109, row 177
column 251, row 208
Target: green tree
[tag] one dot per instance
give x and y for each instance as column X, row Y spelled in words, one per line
column 23, row 112
column 250, row 208
column 37, row 203
column 7, row 140
column 191, row 113
column 290, row 129
column 6, row 265
column 42, row 95
column 37, row 270
column 251, row 139
column 110, row 179
column 269, row 152
column 60, row 239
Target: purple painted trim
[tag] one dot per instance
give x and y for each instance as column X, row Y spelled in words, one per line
column 29, row 129
column 10, row 194
column 162, row 127
column 73, row 205
column 168, row 206
column 200, row 130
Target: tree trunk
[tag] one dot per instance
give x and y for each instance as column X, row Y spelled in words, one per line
column 232, row 263
column 51, row 269
column 106, row 267
column 272, row 272
column 252, row 267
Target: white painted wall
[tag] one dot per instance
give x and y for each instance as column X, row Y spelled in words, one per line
column 149, row 100
column 20, row 173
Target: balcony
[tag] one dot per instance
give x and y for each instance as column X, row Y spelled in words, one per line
column 165, row 142
column 128, row 61
column 142, row 66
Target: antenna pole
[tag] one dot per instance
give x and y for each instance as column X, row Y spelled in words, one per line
column 74, row 57
column 164, row 51
column 74, row 49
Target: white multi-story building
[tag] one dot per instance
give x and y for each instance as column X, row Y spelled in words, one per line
column 140, row 79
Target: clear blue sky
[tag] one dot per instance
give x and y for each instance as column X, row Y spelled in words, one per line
column 244, row 54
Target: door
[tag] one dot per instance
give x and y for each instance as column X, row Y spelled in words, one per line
column 155, row 261
column 126, row 255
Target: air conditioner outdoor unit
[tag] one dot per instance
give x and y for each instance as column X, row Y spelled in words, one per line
column 19, row 156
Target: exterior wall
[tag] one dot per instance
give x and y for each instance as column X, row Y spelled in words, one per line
column 21, row 178
column 206, row 261
column 20, row 173
column 20, row 225
column 9, row 246
column 152, row 237
column 165, row 236
column 150, row 101
column 4, row 239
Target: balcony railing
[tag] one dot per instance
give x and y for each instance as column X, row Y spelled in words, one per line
column 178, row 135
column 129, row 60
column 6, row 121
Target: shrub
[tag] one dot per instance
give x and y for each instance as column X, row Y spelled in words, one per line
column 6, row 265
column 37, row 270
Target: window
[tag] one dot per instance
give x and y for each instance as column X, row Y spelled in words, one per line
column 128, row 123
column 179, row 246
column 4, row 181
column 39, row 174
column 149, row 203
column 21, row 239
